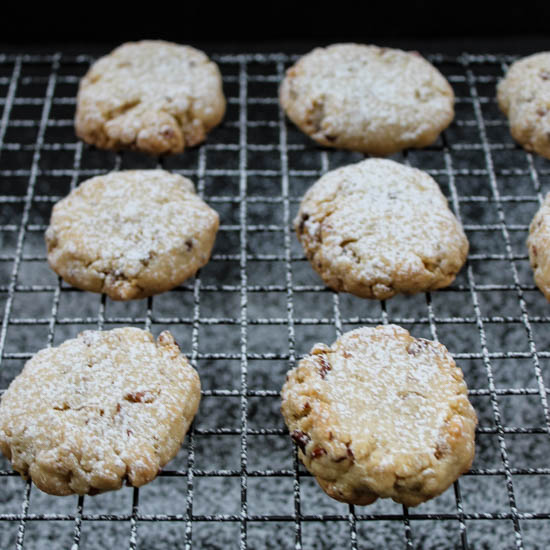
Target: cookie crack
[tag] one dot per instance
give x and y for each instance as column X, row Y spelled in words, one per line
column 406, row 393
column 115, row 275
column 121, row 110
column 348, row 251
column 316, row 114
column 192, row 128
column 303, row 413
column 429, row 265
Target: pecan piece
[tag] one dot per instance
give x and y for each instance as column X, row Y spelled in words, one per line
column 301, row 439
column 324, row 367
column 441, row 449
column 419, row 345
column 318, row 452
column 303, row 219
column 139, row 397
column 167, row 132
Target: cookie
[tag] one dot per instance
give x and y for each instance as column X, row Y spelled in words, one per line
column 100, row 409
column 131, row 234
column 377, row 228
column 524, row 97
column 368, row 99
column 380, row 414
column 538, row 244
column 153, row 96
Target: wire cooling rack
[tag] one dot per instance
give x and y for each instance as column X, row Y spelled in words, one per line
column 257, row 307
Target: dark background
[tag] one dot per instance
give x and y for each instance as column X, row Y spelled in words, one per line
column 453, row 27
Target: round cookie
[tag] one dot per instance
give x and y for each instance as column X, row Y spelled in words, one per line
column 131, row 234
column 153, row 96
column 538, row 244
column 369, row 99
column 99, row 409
column 377, row 228
column 380, row 414
column 524, row 96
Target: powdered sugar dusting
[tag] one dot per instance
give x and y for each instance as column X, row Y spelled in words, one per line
column 380, row 413
column 131, row 233
column 151, row 95
column 378, row 227
column 524, row 95
column 383, row 380
column 538, row 245
column 100, row 408
column 371, row 99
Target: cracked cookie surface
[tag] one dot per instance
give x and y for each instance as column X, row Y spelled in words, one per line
column 366, row 98
column 538, row 244
column 153, row 96
column 99, row 409
column 377, row 228
column 131, row 234
column 524, row 97
column 380, row 414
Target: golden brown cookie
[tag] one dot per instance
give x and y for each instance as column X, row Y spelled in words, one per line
column 100, row 409
column 380, row 414
column 131, row 234
column 524, row 96
column 369, row 99
column 377, row 228
column 538, row 244
column 153, row 96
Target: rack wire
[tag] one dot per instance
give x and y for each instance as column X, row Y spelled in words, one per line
column 258, row 307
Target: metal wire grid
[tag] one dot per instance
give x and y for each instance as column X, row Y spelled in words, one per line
column 258, row 307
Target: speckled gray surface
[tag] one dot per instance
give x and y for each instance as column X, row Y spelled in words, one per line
column 242, row 336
